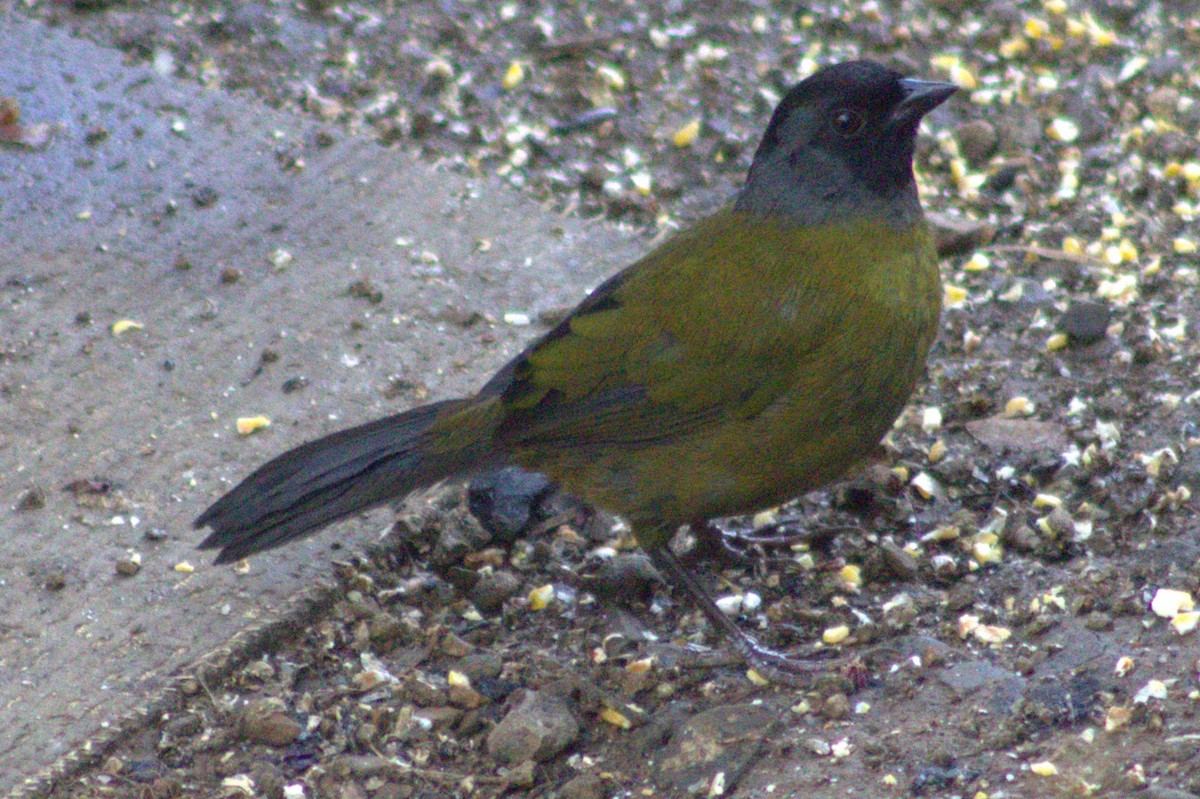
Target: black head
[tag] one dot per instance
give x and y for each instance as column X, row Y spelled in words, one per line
column 840, row 143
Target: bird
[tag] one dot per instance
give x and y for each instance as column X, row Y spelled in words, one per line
column 758, row 355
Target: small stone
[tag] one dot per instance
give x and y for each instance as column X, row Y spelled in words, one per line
column 386, row 630
column 128, row 567
column 1057, row 526
column 538, row 728
column 961, row 597
column 900, row 611
column 456, row 539
column 462, row 317
column 1163, row 102
column 818, row 746
column 585, row 786
column 1085, row 322
column 365, row 290
column 898, row 562
column 423, row 693
column 440, row 718
column 955, row 235
column 1023, row 436
column 836, row 706
column 205, row 197
column 492, row 557
column 1021, row 537
column 454, row 646
column 945, row 567
column 625, row 578
column 481, row 665
column 268, row 780
column 506, row 501
column 264, row 724
column 523, row 775
column 977, row 141
column 493, row 588
column 464, row 696
column 31, row 499
column 725, row 739
column 182, row 727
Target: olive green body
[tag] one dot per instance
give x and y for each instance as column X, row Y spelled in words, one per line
column 743, row 363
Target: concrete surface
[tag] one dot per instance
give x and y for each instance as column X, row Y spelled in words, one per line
column 175, row 176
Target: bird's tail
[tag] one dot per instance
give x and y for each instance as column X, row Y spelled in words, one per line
column 320, row 482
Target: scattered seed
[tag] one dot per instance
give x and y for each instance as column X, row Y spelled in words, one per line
column 246, row 425
column 835, row 635
column 685, row 136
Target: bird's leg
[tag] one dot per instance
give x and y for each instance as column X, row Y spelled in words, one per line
column 771, row 664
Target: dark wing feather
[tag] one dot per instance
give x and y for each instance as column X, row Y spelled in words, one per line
column 663, row 349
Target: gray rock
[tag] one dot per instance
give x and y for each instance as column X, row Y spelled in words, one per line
column 585, row 786
column 505, row 501
column 1085, row 322
column 538, row 728
column 1002, row 689
column 625, row 578
column 493, row 588
column 955, row 235
column 718, row 744
column 977, row 140
column 263, row 724
column 456, row 539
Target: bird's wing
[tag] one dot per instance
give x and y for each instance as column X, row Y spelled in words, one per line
column 714, row 325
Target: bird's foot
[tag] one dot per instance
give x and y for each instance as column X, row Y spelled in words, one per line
column 774, row 666
column 732, row 548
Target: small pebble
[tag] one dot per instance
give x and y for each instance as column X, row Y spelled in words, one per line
column 1085, row 322
column 977, row 140
column 31, row 499
column 837, row 706
column 267, row 726
column 128, row 567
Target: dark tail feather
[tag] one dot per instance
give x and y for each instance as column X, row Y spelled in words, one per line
column 320, row 482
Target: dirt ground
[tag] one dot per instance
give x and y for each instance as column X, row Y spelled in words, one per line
column 1017, row 578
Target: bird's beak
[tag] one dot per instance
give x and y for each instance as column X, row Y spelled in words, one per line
column 920, row 97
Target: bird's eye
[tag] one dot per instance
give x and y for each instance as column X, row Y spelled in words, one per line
column 848, row 122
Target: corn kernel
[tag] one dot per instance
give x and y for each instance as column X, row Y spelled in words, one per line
column 1063, row 130
column 513, row 76
column 1011, row 48
column 124, row 326
column 954, row 296
column 835, row 635
column 977, row 263
column 246, row 425
column 687, row 134
column 615, row 718
column 612, row 77
column 1056, row 342
column 1036, row 28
